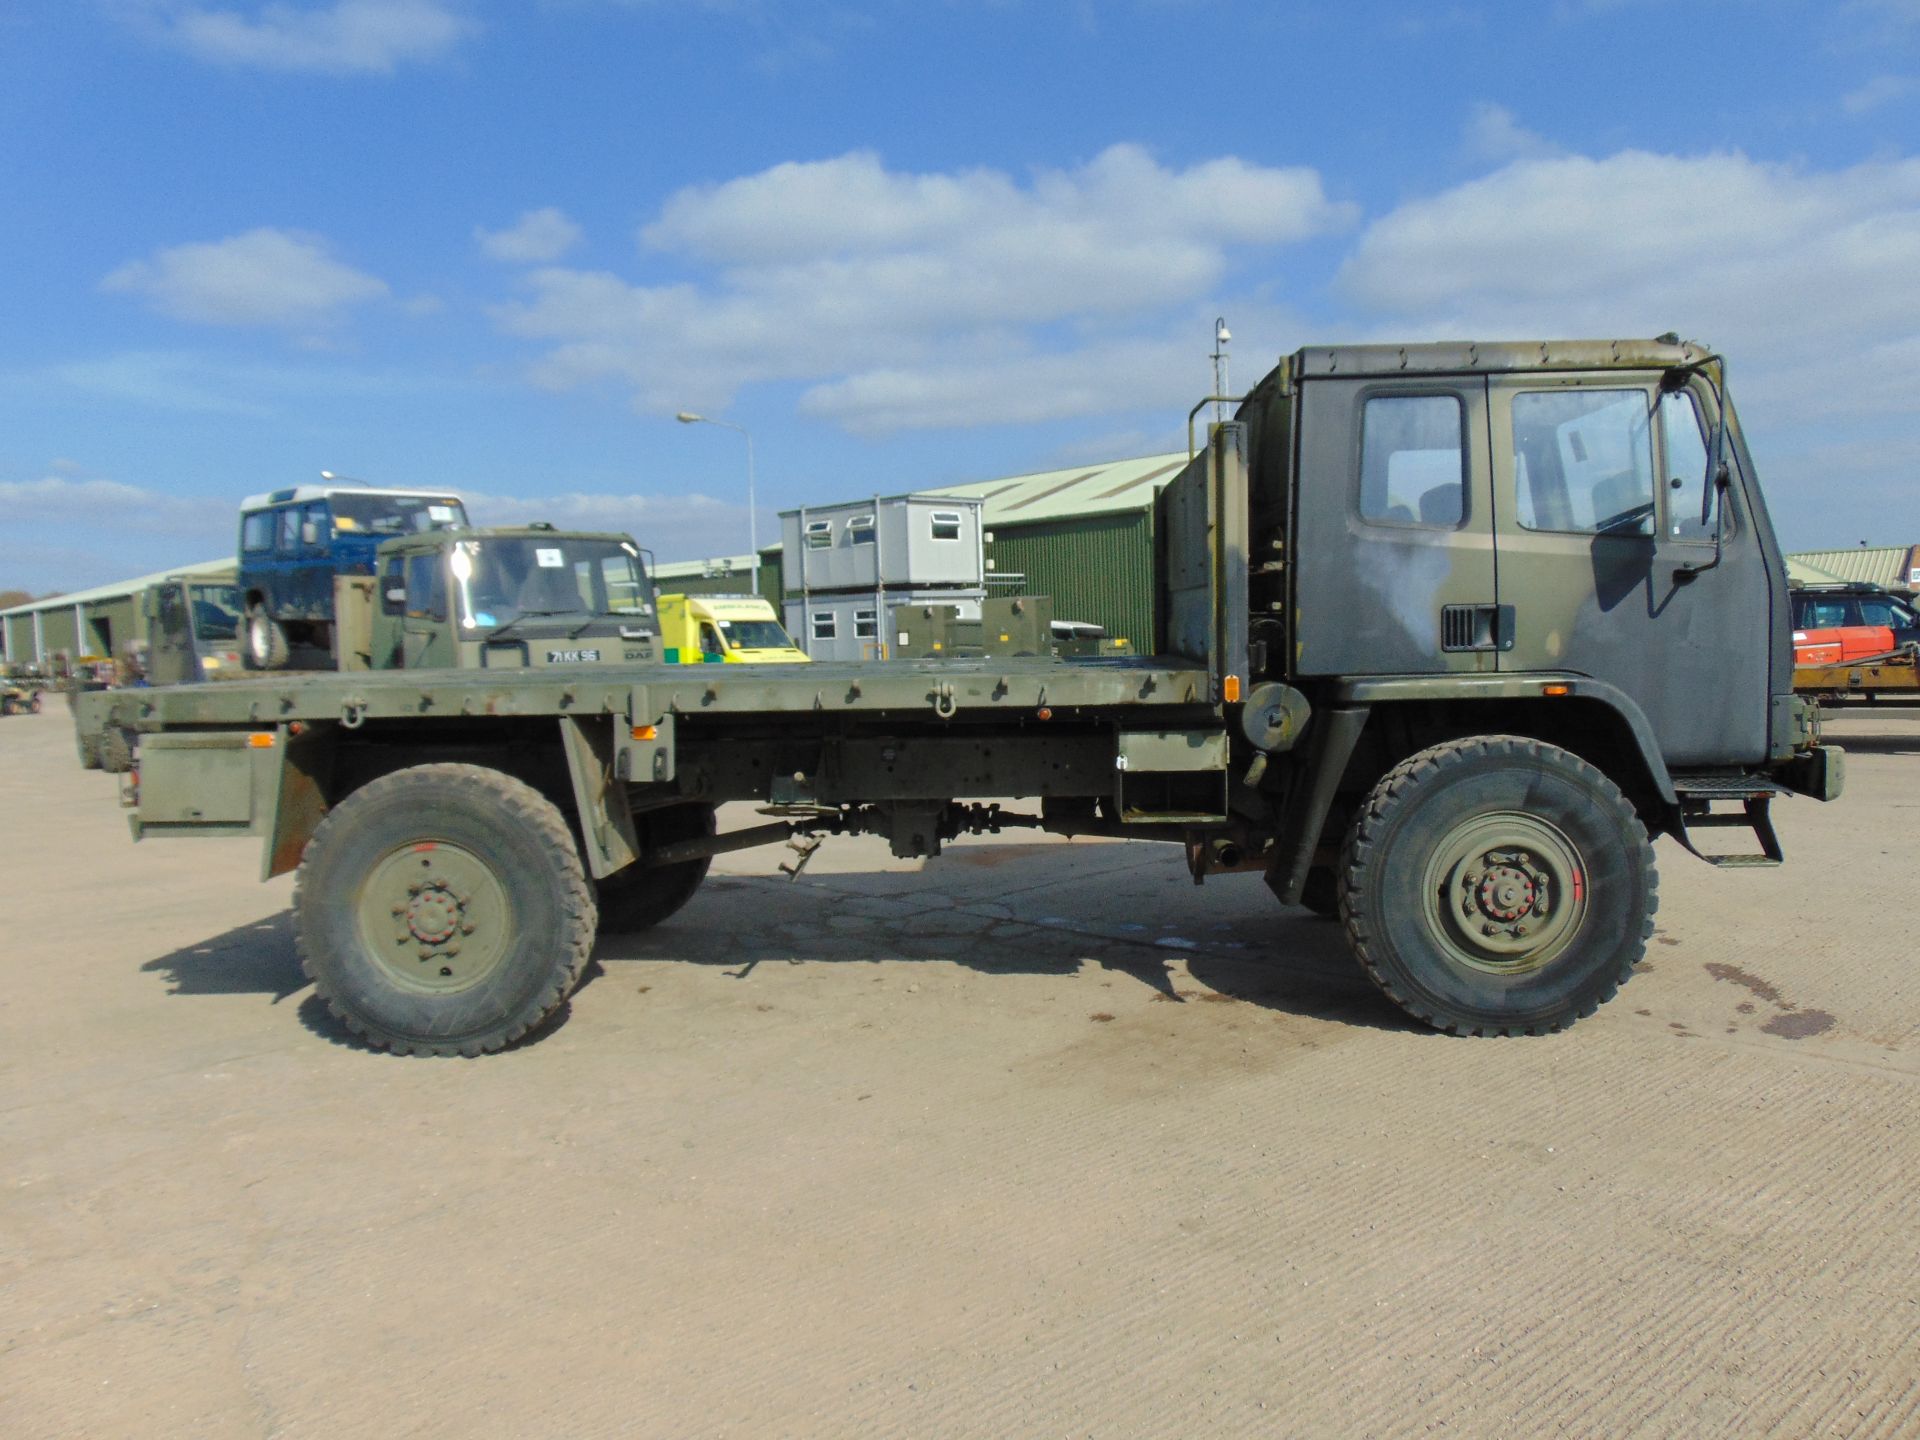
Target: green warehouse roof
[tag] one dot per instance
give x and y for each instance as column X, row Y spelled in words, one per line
column 205, row 570
column 1891, row 566
column 1115, row 485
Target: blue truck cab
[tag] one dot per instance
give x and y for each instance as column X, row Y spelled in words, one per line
column 293, row 543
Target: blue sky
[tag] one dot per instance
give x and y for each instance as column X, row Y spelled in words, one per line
column 904, row 242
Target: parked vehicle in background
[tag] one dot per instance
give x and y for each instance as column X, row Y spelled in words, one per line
column 523, row 597
column 193, row 631
column 1855, row 642
column 295, row 545
column 1854, row 606
column 17, row 699
column 724, row 630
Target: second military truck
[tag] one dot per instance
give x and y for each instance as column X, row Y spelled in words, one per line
column 1451, row 632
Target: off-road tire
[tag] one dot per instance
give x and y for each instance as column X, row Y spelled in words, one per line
column 88, row 748
column 34, row 704
column 638, row 898
column 1453, row 798
column 263, row 641
column 507, row 840
column 116, row 751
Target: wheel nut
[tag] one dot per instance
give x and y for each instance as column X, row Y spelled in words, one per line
column 1489, row 929
column 467, row 928
column 1519, row 932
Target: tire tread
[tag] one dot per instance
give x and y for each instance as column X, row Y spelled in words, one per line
column 1393, row 791
column 522, row 802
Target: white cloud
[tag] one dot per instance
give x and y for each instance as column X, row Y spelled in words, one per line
column 66, row 499
column 1877, row 92
column 1014, row 389
column 826, row 270
column 1763, row 259
column 345, row 37
column 1494, row 135
column 264, row 277
column 537, row 237
column 672, row 526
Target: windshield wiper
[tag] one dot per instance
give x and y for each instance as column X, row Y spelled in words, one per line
column 524, row 615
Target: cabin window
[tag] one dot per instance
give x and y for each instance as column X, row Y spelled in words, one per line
column 946, row 524
column 256, row 532
column 1583, row 461
column 866, row 625
column 1412, row 461
column 825, row 625
column 819, row 534
column 860, row 530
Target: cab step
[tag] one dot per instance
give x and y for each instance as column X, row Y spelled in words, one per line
column 1699, row 793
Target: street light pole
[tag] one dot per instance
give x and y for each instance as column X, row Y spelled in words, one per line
column 687, row 417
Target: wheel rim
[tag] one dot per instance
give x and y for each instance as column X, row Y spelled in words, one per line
column 1505, row 893
column 435, row 916
column 259, row 638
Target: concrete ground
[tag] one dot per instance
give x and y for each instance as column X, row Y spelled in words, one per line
column 1041, row 1141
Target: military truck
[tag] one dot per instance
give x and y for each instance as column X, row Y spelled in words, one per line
column 503, row 598
column 1452, row 632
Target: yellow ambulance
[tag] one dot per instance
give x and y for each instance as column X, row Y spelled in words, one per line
column 723, row 630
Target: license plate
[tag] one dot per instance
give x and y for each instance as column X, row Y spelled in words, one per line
column 573, row 657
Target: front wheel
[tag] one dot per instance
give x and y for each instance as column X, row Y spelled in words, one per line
column 442, row 910
column 263, row 641
column 1497, row 886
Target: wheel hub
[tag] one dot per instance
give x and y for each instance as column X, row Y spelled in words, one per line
column 436, row 916
column 433, row 915
column 1507, row 891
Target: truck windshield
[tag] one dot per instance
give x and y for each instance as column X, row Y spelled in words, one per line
column 754, row 635
column 216, row 612
column 502, row 578
column 395, row 514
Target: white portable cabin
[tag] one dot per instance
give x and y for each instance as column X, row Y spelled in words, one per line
column 898, row 542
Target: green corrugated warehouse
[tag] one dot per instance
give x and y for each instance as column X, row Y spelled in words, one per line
column 92, row 624
column 1083, row 535
column 1892, row 567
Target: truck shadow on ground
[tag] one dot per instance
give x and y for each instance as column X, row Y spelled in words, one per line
column 1286, row 961
column 1283, row 959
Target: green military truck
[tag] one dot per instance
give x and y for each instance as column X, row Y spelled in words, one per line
column 525, row 597
column 1452, row 631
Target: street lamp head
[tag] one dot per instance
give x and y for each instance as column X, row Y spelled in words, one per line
column 687, row 417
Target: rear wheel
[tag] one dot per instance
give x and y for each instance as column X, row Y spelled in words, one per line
column 1497, row 886
column 115, row 751
column 263, row 641
column 637, row 899
column 442, row 910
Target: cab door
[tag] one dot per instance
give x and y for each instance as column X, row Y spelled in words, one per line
column 1393, row 545
column 1605, row 555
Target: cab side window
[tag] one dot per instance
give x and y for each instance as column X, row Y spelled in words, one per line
column 1686, row 473
column 256, row 532
column 1583, row 461
column 1412, row 461
column 287, row 530
column 426, row 590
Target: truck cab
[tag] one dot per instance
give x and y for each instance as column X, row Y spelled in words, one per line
column 724, row 630
column 193, row 631
column 294, row 546
column 518, row 598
